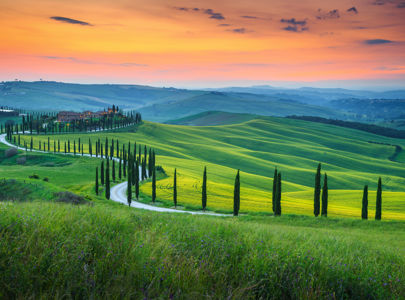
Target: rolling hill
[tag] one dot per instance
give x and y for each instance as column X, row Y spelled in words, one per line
column 351, row 158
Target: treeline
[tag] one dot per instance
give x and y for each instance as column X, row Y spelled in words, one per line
column 47, row 123
column 380, row 130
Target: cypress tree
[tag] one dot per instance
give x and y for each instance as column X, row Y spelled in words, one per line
column 74, row 147
column 236, row 195
column 204, row 189
column 120, row 169
column 364, row 206
column 107, row 180
column 317, row 193
column 144, row 175
column 379, row 200
column 137, row 179
column 175, row 188
column 102, row 172
column 133, row 170
column 90, row 149
column 325, row 196
column 65, row 148
column 68, row 146
column 32, row 144
column 58, row 145
column 129, row 189
column 278, row 196
column 274, row 190
column 96, row 180
column 154, row 185
column 124, row 164
column 113, row 170
column 49, row 145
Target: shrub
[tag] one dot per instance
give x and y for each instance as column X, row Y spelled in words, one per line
column 11, row 152
column 160, row 169
column 69, row 197
column 21, row 160
column 46, row 179
column 34, row 176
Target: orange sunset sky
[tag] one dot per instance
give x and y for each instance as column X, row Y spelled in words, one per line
column 190, row 43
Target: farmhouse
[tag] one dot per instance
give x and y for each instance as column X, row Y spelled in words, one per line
column 67, row 116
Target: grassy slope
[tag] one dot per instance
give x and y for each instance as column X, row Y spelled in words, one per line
column 255, row 147
column 107, row 250
column 54, row 250
column 213, row 118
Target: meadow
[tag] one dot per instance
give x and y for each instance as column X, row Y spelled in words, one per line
column 351, row 159
column 107, row 250
column 102, row 249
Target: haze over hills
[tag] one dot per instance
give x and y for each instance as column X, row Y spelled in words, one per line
column 163, row 104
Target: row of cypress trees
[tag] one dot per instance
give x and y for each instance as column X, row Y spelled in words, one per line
column 45, row 124
column 147, row 163
column 325, row 195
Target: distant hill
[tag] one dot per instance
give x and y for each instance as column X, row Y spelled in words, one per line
column 46, row 95
column 163, row 104
column 213, row 118
column 234, row 103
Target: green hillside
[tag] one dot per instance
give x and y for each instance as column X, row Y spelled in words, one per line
column 213, row 118
column 256, row 147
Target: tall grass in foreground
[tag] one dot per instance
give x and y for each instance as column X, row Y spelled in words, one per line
column 56, row 251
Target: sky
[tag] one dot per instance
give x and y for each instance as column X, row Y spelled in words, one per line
column 194, row 44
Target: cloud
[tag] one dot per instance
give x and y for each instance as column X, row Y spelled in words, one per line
column 181, row 8
column 249, row 17
column 214, row 15
column 353, row 10
column 398, row 3
column 238, row 30
column 294, row 22
column 208, row 11
column 295, row 25
column 70, row 21
column 224, row 25
column 377, row 42
column 333, row 14
column 383, row 68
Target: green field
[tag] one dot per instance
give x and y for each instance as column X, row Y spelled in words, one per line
column 102, row 249
column 106, row 250
column 256, row 147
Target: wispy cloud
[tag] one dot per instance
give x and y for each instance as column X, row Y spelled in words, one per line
column 249, row 17
column 353, row 10
column 333, row 14
column 214, row 15
column 208, row 11
column 70, row 21
column 377, row 42
column 397, row 3
column 295, row 25
column 238, row 30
